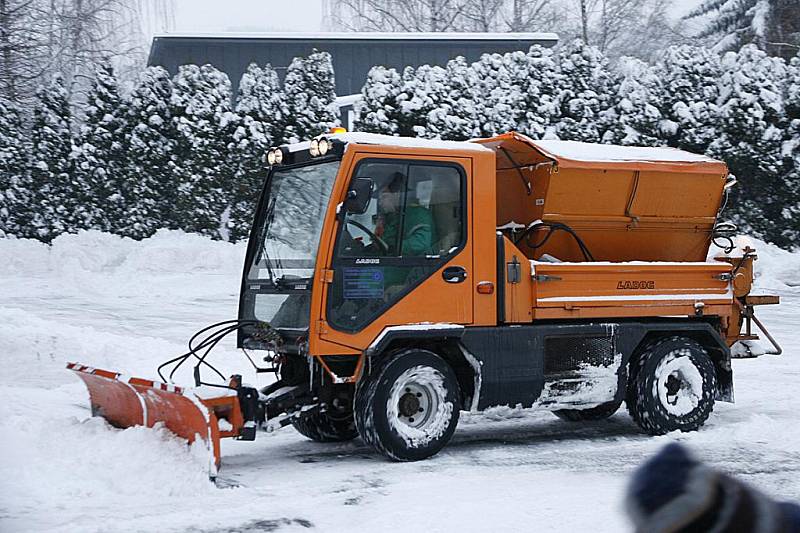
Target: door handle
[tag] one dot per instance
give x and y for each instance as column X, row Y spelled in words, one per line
column 454, row 274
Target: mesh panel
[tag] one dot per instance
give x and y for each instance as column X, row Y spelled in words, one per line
column 565, row 354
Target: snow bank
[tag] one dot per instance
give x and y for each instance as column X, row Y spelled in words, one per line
column 50, row 344
column 97, row 252
column 111, row 302
column 55, row 449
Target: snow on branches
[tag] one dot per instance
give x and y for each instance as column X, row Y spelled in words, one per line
column 182, row 152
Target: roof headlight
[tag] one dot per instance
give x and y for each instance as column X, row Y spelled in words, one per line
column 324, row 146
column 275, row 156
column 314, row 148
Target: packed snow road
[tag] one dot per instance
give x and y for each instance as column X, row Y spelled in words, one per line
column 128, row 306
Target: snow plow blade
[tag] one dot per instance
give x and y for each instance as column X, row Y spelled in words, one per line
column 127, row 401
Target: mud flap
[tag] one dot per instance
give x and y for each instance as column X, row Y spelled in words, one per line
column 125, row 402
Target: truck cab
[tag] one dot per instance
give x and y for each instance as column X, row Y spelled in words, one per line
column 396, row 282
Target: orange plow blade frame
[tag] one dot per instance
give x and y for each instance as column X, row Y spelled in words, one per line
column 127, row 401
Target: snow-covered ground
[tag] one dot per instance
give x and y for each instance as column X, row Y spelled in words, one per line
column 123, row 305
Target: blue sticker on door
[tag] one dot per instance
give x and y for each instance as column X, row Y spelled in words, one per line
column 363, row 283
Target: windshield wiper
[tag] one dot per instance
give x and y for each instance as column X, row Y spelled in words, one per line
column 262, row 251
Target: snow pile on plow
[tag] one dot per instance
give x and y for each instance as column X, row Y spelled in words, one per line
column 59, row 467
column 125, row 402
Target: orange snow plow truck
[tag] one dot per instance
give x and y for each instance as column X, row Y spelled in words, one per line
column 391, row 283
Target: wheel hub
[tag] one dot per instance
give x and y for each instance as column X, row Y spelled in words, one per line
column 417, row 403
column 679, row 384
column 673, row 384
column 409, row 405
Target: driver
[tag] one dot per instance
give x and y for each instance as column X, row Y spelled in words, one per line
column 417, row 221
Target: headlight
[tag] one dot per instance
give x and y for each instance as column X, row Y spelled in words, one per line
column 275, row 156
column 314, row 148
column 324, row 145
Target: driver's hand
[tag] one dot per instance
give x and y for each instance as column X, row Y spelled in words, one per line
column 373, row 249
column 351, row 245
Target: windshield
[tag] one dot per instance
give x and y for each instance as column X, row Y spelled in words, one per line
column 288, row 240
column 292, row 222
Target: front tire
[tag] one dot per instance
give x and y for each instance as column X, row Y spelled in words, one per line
column 672, row 386
column 408, row 408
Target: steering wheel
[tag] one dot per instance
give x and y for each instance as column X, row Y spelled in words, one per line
column 377, row 240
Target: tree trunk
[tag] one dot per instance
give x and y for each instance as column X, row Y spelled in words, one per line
column 584, row 21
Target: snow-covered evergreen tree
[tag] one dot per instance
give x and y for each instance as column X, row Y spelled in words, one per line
column 53, row 199
column 541, row 92
column 13, row 168
column 201, row 114
column 378, row 110
column 99, row 156
column 454, row 117
column 750, row 141
column 309, row 96
column 690, row 76
column 260, row 119
column 791, row 150
column 773, row 25
column 413, row 102
column 501, row 103
column 424, row 93
column 587, row 95
column 637, row 114
column 148, row 178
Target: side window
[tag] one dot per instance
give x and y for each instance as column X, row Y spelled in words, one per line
column 412, row 225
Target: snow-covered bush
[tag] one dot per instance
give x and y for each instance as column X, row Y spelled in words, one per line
column 201, row 110
column 750, row 140
column 378, row 111
column 690, row 76
column 98, row 158
column 588, row 93
column 259, row 109
column 13, row 166
column 177, row 154
column 637, row 113
column 309, row 96
column 53, row 199
column 150, row 142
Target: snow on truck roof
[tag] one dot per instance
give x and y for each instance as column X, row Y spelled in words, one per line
column 407, row 142
column 515, row 150
column 581, row 151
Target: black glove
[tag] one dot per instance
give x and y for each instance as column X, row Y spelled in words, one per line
column 672, row 492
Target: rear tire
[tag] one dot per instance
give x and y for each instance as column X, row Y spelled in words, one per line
column 672, row 386
column 600, row 412
column 321, row 427
column 408, row 408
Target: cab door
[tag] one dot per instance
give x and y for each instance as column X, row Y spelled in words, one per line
column 407, row 259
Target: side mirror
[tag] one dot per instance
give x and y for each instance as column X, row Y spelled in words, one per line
column 359, row 195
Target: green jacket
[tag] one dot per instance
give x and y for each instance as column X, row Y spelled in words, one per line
column 418, row 232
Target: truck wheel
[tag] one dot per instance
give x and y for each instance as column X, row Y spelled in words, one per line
column 601, row 412
column 321, row 427
column 672, row 386
column 408, row 408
